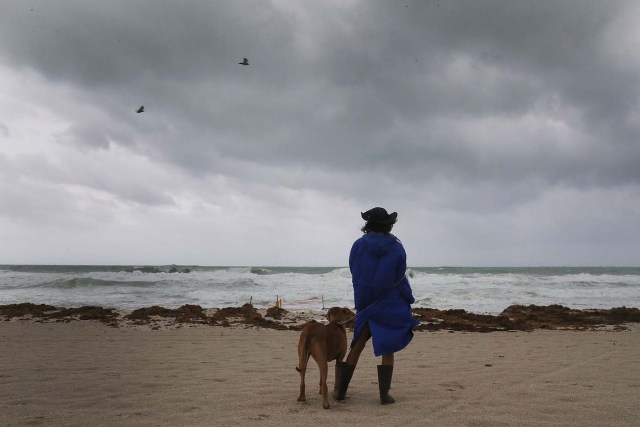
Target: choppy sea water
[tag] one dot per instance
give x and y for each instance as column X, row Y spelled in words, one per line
column 478, row 290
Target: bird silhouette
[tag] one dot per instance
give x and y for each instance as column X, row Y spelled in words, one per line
column 244, row 62
column 140, row 110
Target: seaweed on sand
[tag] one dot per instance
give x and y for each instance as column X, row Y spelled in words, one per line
column 48, row 312
column 526, row 318
column 247, row 315
column 184, row 314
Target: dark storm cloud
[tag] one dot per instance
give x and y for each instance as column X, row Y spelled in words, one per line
column 119, row 43
column 467, row 62
column 503, row 132
column 496, row 93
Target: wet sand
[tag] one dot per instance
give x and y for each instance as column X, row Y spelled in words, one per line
column 88, row 373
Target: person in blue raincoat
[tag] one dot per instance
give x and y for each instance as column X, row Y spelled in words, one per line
column 383, row 299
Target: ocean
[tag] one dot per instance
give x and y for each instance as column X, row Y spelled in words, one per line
column 477, row 290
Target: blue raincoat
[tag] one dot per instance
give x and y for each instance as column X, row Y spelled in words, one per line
column 378, row 263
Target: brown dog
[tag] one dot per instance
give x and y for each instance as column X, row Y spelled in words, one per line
column 325, row 343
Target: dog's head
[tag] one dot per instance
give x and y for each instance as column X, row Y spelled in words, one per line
column 339, row 314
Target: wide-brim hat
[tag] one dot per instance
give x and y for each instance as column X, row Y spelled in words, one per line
column 379, row 215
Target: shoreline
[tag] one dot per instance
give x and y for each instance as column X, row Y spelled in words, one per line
column 513, row 318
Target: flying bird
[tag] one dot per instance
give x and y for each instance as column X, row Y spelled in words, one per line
column 140, row 110
column 245, row 62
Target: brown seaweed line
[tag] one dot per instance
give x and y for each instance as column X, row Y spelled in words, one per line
column 513, row 318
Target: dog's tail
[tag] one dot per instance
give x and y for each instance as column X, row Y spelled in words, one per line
column 303, row 352
column 302, row 363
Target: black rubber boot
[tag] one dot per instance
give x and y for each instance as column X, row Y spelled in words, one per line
column 345, row 372
column 384, row 383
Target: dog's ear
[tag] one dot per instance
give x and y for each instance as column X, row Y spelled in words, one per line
column 330, row 314
column 334, row 314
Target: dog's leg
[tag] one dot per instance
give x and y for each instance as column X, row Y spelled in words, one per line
column 324, row 370
column 319, row 354
column 302, row 369
column 303, row 354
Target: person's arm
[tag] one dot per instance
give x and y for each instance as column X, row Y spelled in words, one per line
column 404, row 288
column 406, row 292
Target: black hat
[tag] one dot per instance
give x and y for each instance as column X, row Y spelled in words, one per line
column 379, row 215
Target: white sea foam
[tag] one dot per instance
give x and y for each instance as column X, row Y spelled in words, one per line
column 475, row 290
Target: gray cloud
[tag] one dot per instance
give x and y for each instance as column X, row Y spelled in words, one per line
column 477, row 108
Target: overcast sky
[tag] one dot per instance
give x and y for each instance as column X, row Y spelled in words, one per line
column 504, row 133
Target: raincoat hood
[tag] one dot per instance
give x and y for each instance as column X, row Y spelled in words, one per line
column 378, row 244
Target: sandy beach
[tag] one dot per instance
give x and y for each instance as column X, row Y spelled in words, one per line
column 87, row 373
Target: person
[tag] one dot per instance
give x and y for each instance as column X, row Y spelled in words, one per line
column 383, row 299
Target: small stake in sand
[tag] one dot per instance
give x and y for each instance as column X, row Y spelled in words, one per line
column 278, row 302
column 251, row 300
column 322, row 301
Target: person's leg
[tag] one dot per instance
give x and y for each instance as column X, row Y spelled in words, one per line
column 387, row 359
column 361, row 342
column 344, row 370
column 385, row 372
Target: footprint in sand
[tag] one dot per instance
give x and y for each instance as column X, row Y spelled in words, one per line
column 452, row 386
column 260, row 417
